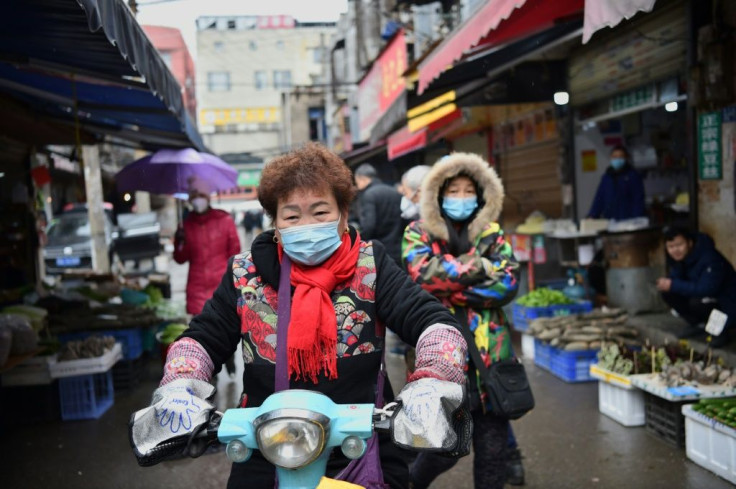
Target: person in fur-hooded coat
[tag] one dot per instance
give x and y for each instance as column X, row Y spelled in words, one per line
column 458, row 252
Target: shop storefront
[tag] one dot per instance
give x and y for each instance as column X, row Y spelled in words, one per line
column 628, row 87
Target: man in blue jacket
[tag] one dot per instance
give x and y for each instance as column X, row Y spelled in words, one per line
column 700, row 280
column 620, row 193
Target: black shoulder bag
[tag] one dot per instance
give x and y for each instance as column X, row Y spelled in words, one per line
column 509, row 392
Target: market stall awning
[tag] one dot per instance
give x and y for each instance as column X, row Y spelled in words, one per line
column 88, row 62
column 605, row 13
column 494, row 23
column 404, row 142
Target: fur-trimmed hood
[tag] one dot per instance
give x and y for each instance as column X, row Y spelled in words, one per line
column 485, row 177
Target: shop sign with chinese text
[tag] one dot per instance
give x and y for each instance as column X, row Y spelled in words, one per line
column 710, row 165
column 383, row 84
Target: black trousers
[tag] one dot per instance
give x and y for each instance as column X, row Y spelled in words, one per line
column 691, row 309
column 490, row 439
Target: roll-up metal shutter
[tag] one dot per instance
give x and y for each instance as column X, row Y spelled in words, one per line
column 531, row 179
column 649, row 48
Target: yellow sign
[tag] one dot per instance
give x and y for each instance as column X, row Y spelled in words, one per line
column 433, row 110
column 590, row 160
column 249, row 115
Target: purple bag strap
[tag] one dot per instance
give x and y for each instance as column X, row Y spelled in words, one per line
column 282, row 325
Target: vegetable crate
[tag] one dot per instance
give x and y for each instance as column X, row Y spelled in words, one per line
column 521, row 316
column 573, row 366
column 710, row 444
column 543, row 354
column 128, row 373
column 131, row 339
column 622, row 404
column 527, row 346
column 86, row 396
column 664, row 419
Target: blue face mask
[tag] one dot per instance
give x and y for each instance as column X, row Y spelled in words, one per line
column 311, row 244
column 617, row 163
column 459, row 209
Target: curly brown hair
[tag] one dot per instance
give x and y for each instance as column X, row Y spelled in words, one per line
column 312, row 167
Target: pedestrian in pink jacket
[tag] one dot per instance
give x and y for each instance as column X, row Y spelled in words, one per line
column 207, row 241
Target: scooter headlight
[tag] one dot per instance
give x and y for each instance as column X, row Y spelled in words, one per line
column 291, row 438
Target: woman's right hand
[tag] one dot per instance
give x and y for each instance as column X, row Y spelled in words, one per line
column 178, row 409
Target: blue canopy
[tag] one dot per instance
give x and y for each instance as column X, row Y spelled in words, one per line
column 88, row 62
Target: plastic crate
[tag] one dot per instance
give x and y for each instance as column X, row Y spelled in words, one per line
column 543, row 353
column 573, row 366
column 521, row 316
column 664, row 419
column 131, row 339
column 625, row 405
column 85, row 396
column 128, row 373
column 527, row 346
column 85, row 366
column 710, row 444
column 32, row 371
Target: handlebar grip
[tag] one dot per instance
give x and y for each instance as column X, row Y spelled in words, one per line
column 164, row 451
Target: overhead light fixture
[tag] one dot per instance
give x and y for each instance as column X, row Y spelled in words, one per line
column 2, row 174
column 561, row 98
column 670, row 106
column 126, row 197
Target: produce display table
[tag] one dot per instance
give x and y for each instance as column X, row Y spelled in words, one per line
column 692, row 392
column 663, row 405
column 710, row 444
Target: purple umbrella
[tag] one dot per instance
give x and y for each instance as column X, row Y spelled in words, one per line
column 169, row 171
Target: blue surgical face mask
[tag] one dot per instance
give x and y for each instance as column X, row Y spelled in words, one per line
column 459, row 209
column 311, row 244
column 617, row 163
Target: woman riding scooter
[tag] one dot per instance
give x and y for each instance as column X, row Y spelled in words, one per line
column 343, row 292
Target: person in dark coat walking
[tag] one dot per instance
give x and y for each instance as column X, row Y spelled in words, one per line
column 700, row 280
column 620, row 193
column 379, row 211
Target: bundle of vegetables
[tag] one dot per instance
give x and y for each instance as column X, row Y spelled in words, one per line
column 170, row 310
column 687, row 372
column 155, row 296
column 585, row 331
column 627, row 361
column 722, row 410
column 90, row 347
column 544, row 297
column 171, row 332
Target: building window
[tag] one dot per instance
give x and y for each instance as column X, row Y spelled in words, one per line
column 260, row 79
column 166, row 56
column 231, row 26
column 219, row 46
column 218, row 81
column 282, row 79
column 253, row 45
column 280, row 45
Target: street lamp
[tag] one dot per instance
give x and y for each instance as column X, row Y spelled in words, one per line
column 561, row 98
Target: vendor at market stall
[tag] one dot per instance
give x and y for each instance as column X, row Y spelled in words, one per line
column 620, row 193
column 700, row 280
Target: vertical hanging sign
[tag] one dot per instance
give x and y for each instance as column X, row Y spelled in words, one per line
column 710, row 164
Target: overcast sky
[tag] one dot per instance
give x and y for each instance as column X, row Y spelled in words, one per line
column 183, row 13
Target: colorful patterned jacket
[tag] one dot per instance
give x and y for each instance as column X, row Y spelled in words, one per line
column 482, row 280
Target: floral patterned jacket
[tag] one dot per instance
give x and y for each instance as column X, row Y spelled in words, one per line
column 483, row 279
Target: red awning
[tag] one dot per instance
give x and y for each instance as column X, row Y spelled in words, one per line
column 496, row 22
column 404, row 141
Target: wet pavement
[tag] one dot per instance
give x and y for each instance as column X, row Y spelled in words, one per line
column 565, row 441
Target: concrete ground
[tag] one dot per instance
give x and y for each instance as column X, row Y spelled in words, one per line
column 565, row 441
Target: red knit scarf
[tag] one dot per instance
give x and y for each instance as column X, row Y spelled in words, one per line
column 312, row 341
